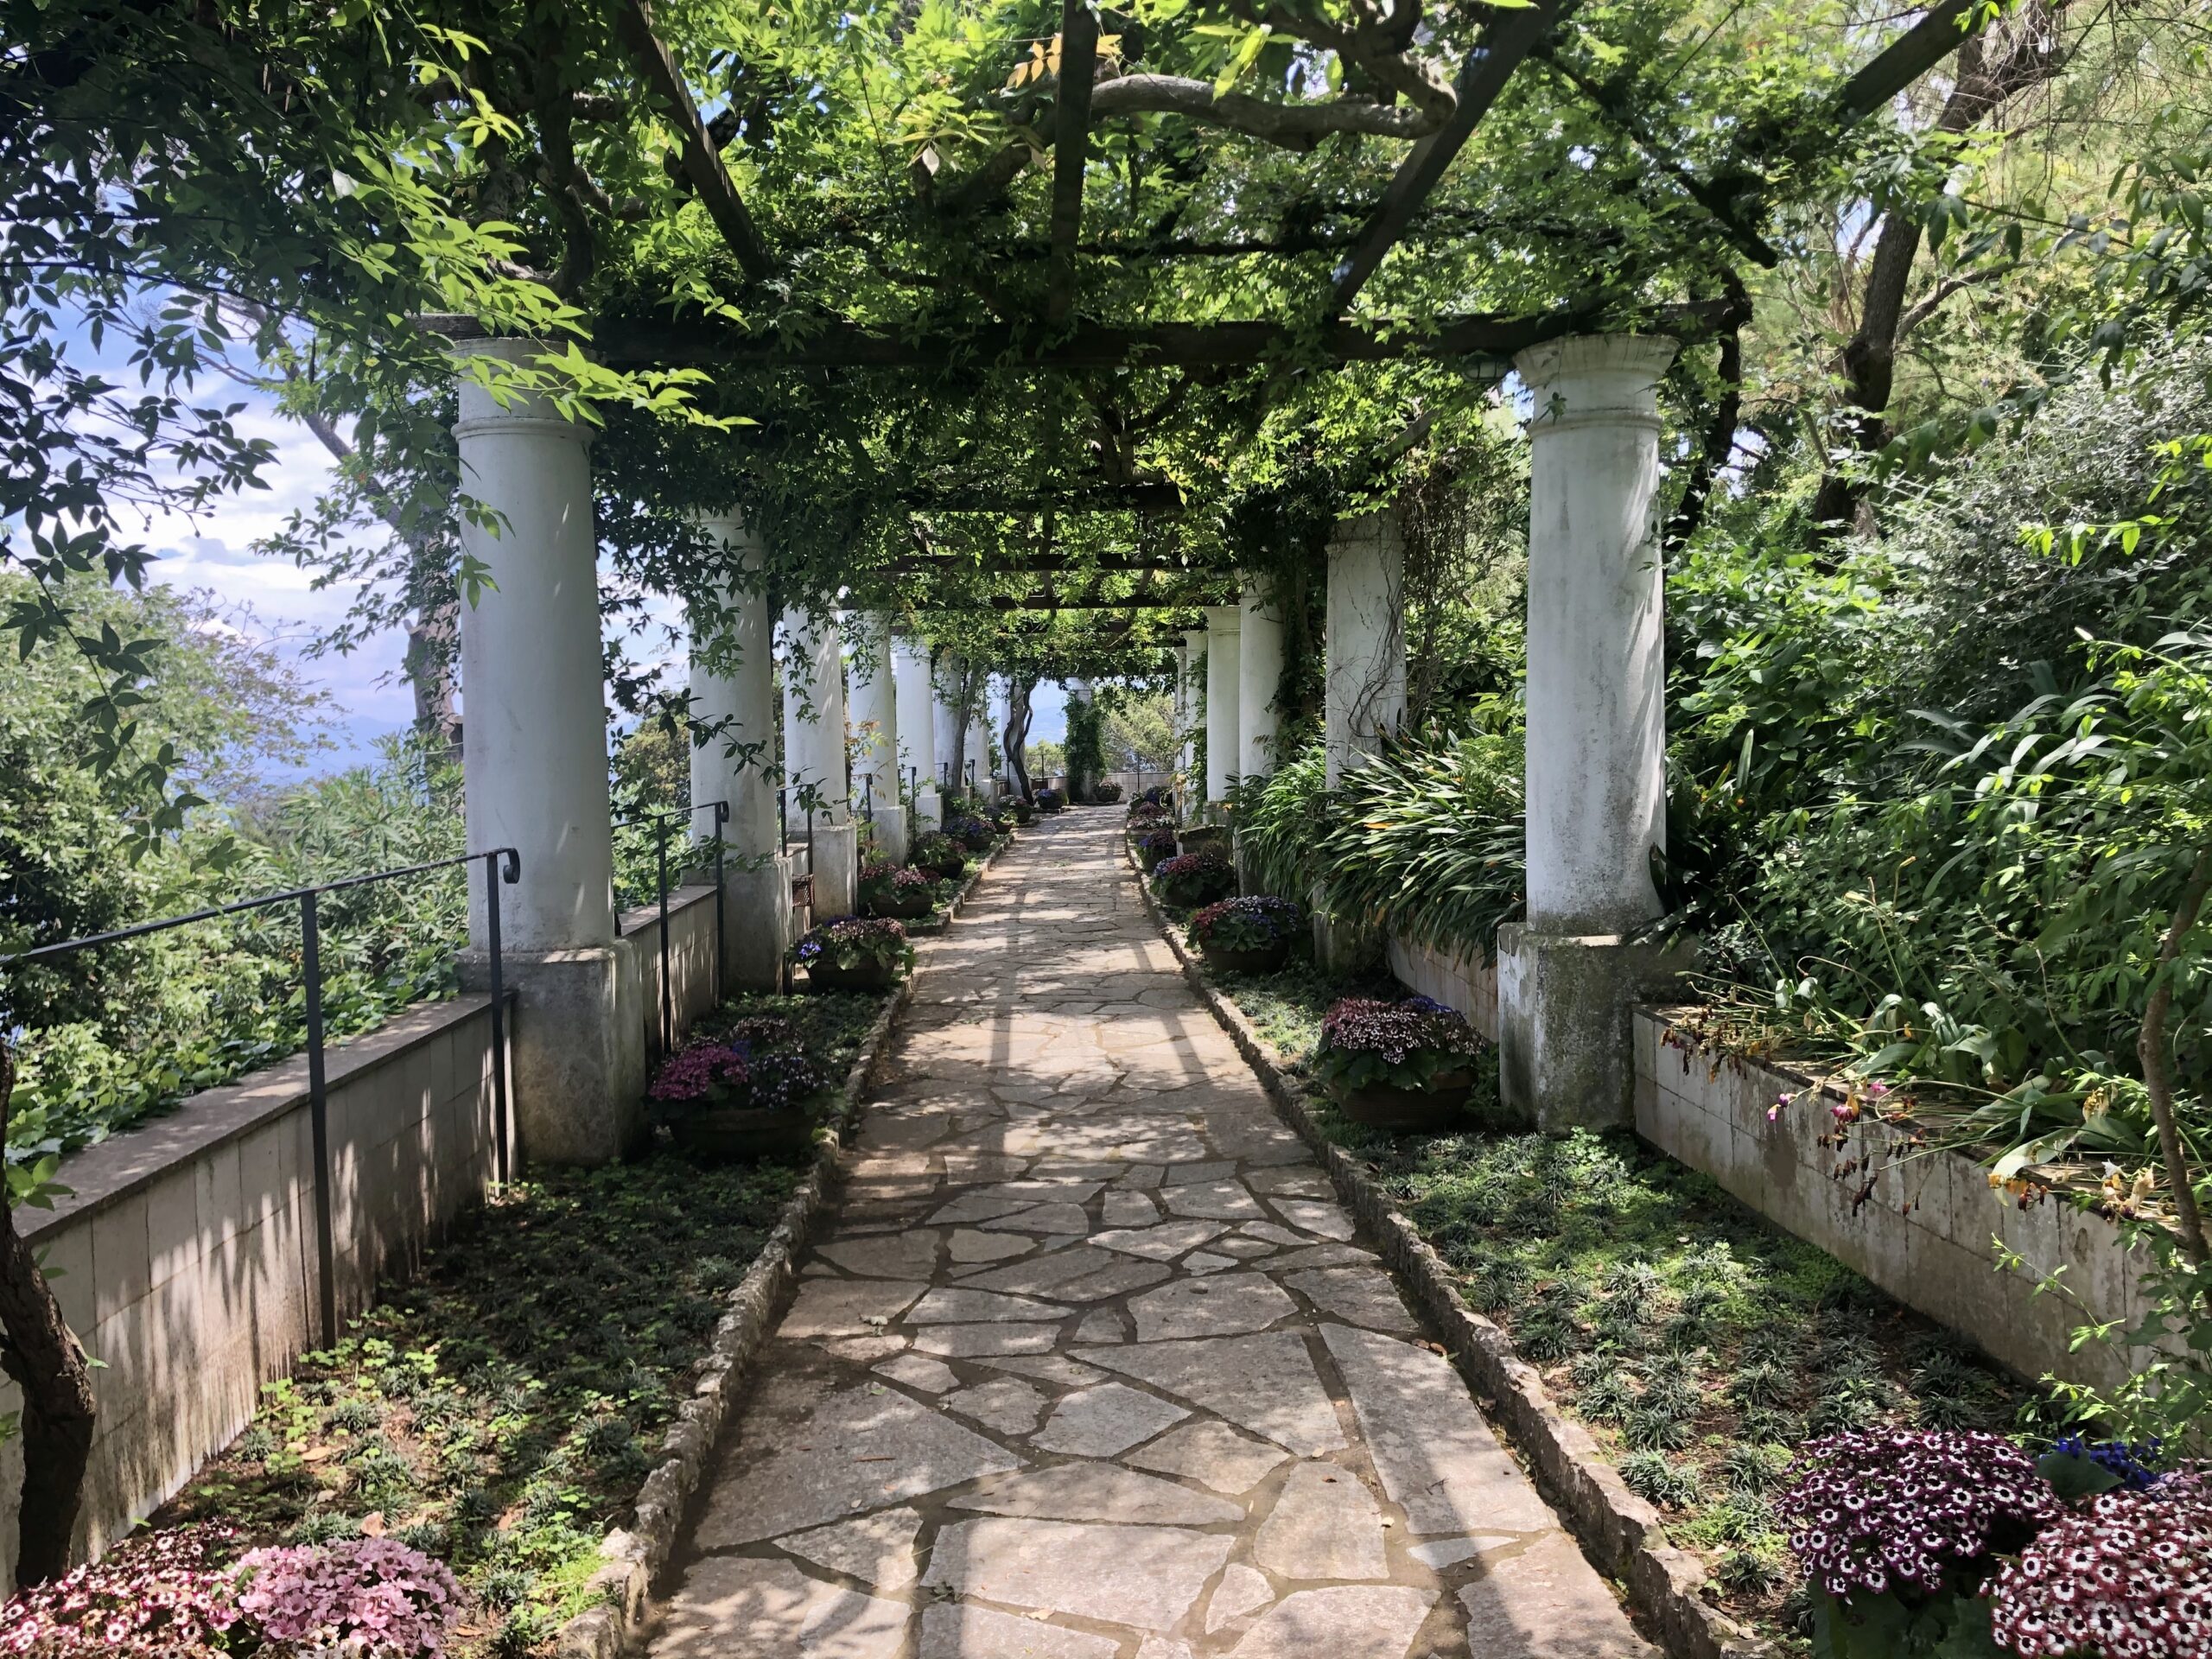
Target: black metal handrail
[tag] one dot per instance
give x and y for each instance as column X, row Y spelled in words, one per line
column 659, row 821
column 501, row 865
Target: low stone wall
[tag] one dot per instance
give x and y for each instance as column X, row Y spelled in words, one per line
column 1924, row 1225
column 186, row 1259
column 690, row 958
column 1467, row 983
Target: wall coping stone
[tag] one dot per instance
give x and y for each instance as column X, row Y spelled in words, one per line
column 105, row 1173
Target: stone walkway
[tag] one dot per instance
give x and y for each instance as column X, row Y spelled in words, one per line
column 1093, row 1366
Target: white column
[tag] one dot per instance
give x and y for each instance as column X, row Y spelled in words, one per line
column 1223, row 736
column 1258, row 677
column 1596, row 771
column 1365, row 695
column 1190, row 788
column 875, row 728
column 814, row 753
column 732, row 685
column 535, row 775
column 918, row 727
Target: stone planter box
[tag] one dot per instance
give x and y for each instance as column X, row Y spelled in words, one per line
column 1926, row 1231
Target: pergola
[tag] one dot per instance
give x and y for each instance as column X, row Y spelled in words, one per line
column 1010, row 339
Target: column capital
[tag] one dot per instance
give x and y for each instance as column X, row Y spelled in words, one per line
column 482, row 414
column 1223, row 618
column 1596, row 379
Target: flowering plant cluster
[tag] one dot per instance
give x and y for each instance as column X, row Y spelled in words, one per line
column 1156, row 795
column 734, row 1073
column 163, row 1593
column 1155, row 845
column 375, row 1594
column 2131, row 1575
column 1255, row 924
column 1885, row 1510
column 852, row 942
column 1198, row 878
column 971, row 832
column 894, row 887
column 1050, row 800
column 1369, row 1041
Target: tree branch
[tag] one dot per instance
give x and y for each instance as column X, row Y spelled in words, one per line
column 1291, row 126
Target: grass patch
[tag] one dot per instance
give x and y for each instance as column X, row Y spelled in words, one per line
column 501, row 1411
column 1698, row 1342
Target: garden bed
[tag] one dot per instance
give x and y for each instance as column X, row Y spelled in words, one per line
column 502, row 1411
column 1692, row 1343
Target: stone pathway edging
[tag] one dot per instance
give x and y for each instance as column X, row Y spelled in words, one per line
column 636, row 1556
column 1623, row 1532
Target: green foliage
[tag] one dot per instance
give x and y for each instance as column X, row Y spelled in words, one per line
column 1086, row 746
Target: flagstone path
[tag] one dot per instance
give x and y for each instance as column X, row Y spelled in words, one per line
column 1092, row 1365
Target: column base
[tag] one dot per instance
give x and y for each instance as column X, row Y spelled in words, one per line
column 1248, row 879
column 929, row 811
column 1343, row 944
column 758, row 910
column 579, row 1042
column 1566, row 1054
column 890, row 835
column 836, row 872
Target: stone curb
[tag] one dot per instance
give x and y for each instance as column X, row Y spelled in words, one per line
column 637, row 1555
column 1622, row 1533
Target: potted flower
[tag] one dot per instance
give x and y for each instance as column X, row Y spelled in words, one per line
column 1396, row 1066
column 853, row 953
column 896, row 890
column 744, row 1093
column 1145, row 816
column 1155, row 845
column 1190, row 878
column 1105, row 794
column 1022, row 810
column 971, row 832
column 1050, row 800
column 1248, row 936
column 937, row 854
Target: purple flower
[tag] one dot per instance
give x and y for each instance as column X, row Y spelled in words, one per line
column 1899, row 1508
column 1259, row 923
column 397, row 1597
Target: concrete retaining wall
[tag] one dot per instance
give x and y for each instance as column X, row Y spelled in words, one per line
column 186, row 1260
column 1467, row 983
column 690, row 958
column 1925, row 1231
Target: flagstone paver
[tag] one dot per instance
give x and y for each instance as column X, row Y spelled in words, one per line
column 1092, row 1365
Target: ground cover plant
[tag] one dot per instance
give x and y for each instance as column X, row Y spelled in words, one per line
column 499, row 1412
column 1701, row 1344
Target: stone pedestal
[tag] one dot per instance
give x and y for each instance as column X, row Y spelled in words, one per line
column 1222, row 723
column 534, row 774
column 1596, row 763
column 1342, row 945
column 1258, row 677
column 836, row 872
column 579, row 1045
column 1566, row 1029
column 929, row 811
column 758, row 912
column 890, row 834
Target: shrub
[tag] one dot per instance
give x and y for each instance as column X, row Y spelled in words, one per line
column 1050, row 800
column 1156, row 795
column 884, row 886
column 732, row 1074
column 1366, row 1042
column 850, row 943
column 1105, row 794
column 1255, row 924
column 375, row 1591
column 1156, row 845
column 940, row 852
column 1196, row 878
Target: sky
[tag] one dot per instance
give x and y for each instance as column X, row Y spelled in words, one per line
column 367, row 701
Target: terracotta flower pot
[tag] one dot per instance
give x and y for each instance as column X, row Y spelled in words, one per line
column 742, row 1134
column 867, row 977
column 1263, row 959
column 1385, row 1106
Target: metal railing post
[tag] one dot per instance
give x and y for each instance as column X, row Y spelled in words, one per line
column 667, row 979
column 868, row 795
column 722, row 919
column 325, row 1245
column 783, row 825
column 502, row 1149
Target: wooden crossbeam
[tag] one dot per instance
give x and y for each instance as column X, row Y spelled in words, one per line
column 1071, row 150
column 1945, row 28
column 702, row 162
column 1078, row 496
column 1046, row 564
column 1168, row 345
column 1500, row 50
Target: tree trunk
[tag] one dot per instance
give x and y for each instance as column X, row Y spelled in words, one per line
column 2157, row 1069
column 1019, row 689
column 1991, row 71
column 1719, row 432
column 44, row 1358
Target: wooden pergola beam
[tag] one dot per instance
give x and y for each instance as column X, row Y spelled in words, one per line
column 1039, row 564
column 1071, row 150
column 1101, row 496
column 1504, row 44
column 835, row 344
column 702, row 163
